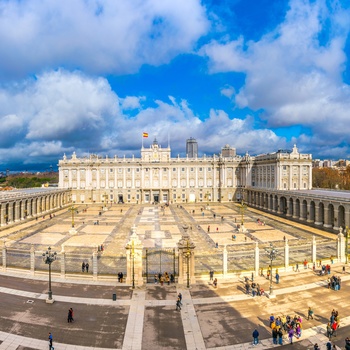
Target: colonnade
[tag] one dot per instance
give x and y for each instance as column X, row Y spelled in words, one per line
column 329, row 212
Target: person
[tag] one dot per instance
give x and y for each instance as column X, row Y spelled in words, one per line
column 274, row 335
column 70, row 315
column 180, row 298
column 211, row 274
column 316, row 347
column 344, row 269
column 272, row 319
column 208, row 228
column 310, row 313
column 280, row 336
column 305, row 264
column 50, row 342
column 83, row 267
column 329, row 346
column 178, row 304
column 87, row 267
column 347, row 343
column 277, row 278
column 255, row 337
column 291, row 335
column 296, row 267
column 215, row 283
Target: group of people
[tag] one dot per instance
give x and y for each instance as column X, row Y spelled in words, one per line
column 334, row 282
column 253, row 289
column 285, row 325
column 333, row 324
column 85, row 267
column 164, row 278
column 325, row 269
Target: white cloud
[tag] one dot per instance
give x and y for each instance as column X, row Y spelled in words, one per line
column 295, row 72
column 228, row 91
column 101, row 37
column 132, row 102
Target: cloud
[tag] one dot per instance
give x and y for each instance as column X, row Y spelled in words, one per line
column 294, row 73
column 228, row 91
column 98, row 37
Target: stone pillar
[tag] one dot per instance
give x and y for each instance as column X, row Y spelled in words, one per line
column 317, row 215
column 327, row 222
column 256, row 259
column 224, row 261
column 94, row 266
column 286, row 254
column 273, row 209
column 295, row 216
column 134, row 259
column 32, row 260
column 4, row 251
column 341, row 247
column 63, row 262
column 313, row 250
column 186, row 258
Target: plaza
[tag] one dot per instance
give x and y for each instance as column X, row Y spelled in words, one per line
column 145, row 317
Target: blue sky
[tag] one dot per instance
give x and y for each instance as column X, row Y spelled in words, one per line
column 90, row 76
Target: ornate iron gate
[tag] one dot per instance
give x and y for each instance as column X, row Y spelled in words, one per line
column 159, row 261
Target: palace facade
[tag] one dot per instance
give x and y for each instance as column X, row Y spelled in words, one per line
column 157, row 177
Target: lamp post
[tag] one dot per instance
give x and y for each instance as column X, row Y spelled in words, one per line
column 48, row 258
column 242, row 209
column 271, row 252
column 132, row 252
column 188, row 254
column 347, row 244
column 72, row 209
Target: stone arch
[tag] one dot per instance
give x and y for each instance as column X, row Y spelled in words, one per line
column 312, row 212
column 283, row 205
column 330, row 215
column 303, row 210
column 320, row 213
column 341, row 216
column 290, row 206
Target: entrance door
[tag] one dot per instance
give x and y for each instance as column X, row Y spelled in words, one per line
column 120, row 198
column 159, row 261
column 156, row 198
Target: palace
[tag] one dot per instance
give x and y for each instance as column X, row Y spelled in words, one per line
column 157, row 177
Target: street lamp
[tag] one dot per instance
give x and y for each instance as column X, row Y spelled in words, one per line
column 187, row 255
column 271, row 252
column 72, row 209
column 48, row 258
column 347, row 244
column 242, row 209
column 132, row 252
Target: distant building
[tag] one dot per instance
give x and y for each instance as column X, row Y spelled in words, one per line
column 191, row 148
column 228, row 151
column 157, row 177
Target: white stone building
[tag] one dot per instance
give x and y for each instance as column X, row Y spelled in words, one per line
column 157, row 177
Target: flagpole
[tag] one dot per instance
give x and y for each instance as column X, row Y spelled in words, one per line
column 142, row 140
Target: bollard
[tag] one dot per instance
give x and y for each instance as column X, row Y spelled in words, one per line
column 114, row 297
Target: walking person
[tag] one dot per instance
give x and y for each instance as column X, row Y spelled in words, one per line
column 70, row 317
column 180, row 298
column 50, row 342
column 291, row 335
column 310, row 313
column 83, row 267
column 277, row 278
column 178, row 305
column 211, row 274
column 255, row 337
column 215, row 283
column 87, row 267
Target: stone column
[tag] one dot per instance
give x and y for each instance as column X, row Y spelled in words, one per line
column 134, row 259
column 186, row 261
column 317, row 214
column 286, row 254
column 256, row 259
column 4, row 251
column 327, row 222
column 341, row 247
column 313, row 250
column 32, row 260
column 224, row 261
column 295, row 209
column 63, row 262
column 94, row 266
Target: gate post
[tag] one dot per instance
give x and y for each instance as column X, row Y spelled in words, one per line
column 134, row 260
column 313, row 249
column 186, row 259
column 341, row 246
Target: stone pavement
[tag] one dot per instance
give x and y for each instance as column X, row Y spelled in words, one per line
column 221, row 318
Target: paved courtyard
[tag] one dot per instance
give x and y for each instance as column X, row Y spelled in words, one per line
column 145, row 318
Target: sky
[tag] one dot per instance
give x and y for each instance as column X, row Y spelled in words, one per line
column 90, row 76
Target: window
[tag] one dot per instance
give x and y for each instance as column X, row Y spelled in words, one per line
column 174, row 169
column 200, row 169
column 183, row 169
column 120, row 170
column 192, row 170
column 111, row 170
column 128, row 170
column 209, row 169
column 137, row 170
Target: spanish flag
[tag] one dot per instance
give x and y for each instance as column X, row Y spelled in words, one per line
column 145, row 134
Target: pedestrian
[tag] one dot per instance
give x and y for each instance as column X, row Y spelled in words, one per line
column 50, row 342
column 291, row 335
column 208, row 228
column 178, row 304
column 344, row 269
column 274, row 335
column 211, row 274
column 255, row 337
column 70, row 315
column 329, row 331
column 305, row 264
column 83, row 267
column 215, row 283
column 277, row 278
column 316, row 347
column 280, row 336
column 329, row 346
column 87, row 267
column 297, row 267
column 310, row 313
column 347, row 343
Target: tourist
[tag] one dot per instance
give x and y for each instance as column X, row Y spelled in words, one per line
column 277, row 278
column 215, row 283
column 255, row 337
column 347, row 343
column 83, row 267
column 291, row 335
column 50, row 342
column 280, row 336
column 87, row 267
column 178, row 305
column 211, row 274
column 274, row 335
column 310, row 313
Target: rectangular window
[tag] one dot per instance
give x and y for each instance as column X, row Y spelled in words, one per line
column 200, row 169
column 209, row 169
column 182, row 169
column 174, row 169
column 192, row 170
